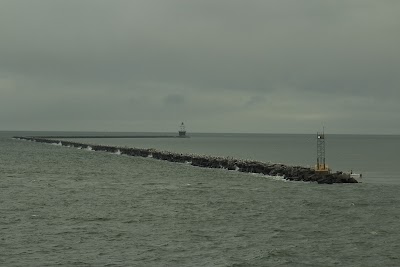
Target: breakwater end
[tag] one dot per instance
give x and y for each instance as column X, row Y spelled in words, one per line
column 292, row 173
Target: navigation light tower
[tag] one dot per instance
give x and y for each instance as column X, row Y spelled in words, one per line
column 321, row 166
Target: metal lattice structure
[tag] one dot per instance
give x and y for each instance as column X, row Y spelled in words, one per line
column 321, row 161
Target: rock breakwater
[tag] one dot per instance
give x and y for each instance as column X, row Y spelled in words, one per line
column 292, row 173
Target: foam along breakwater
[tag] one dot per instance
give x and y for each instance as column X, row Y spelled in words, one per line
column 292, row 173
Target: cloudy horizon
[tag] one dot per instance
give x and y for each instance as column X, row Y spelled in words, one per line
column 279, row 66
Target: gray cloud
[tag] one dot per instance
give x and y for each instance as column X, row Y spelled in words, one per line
column 218, row 65
column 174, row 99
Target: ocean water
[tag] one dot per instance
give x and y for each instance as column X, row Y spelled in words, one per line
column 68, row 207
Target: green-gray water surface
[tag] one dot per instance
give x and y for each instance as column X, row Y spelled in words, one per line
column 68, row 207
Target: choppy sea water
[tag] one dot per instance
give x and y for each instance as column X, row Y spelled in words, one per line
column 68, row 207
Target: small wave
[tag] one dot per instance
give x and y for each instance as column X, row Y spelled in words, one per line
column 89, row 148
column 277, row 178
column 57, row 144
column 273, row 177
column 118, row 152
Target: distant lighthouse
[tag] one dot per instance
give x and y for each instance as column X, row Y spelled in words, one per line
column 182, row 130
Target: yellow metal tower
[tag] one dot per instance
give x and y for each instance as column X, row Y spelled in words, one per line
column 321, row 166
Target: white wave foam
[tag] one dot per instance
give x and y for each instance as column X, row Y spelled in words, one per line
column 273, row 177
column 57, row 144
column 89, row 148
column 277, row 177
column 118, row 152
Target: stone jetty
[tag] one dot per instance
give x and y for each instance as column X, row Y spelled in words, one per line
column 109, row 136
column 292, row 173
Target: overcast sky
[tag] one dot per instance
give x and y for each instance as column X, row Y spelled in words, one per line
column 263, row 66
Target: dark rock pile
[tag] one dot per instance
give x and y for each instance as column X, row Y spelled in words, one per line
column 293, row 173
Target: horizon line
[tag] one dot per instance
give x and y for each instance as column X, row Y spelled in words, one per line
column 267, row 133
